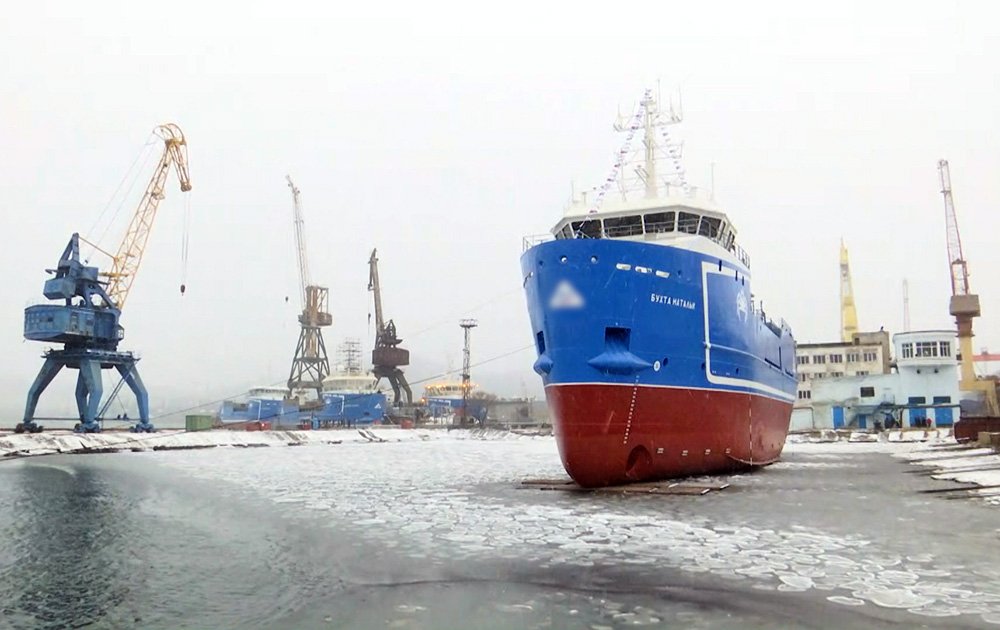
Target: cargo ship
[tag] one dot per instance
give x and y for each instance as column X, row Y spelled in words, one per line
column 265, row 403
column 351, row 398
column 443, row 401
column 656, row 359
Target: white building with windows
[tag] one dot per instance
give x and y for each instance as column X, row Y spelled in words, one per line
column 866, row 353
column 921, row 391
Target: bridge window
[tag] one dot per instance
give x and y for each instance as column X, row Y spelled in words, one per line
column 565, row 232
column 660, row 222
column 589, row 229
column 688, row 223
column 907, row 350
column 622, row 226
column 709, row 227
column 927, row 349
column 946, row 349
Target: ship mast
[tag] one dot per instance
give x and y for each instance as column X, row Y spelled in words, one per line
column 649, row 105
column 642, row 172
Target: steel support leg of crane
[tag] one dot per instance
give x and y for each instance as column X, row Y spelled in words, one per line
column 48, row 372
column 400, row 388
column 130, row 374
column 90, row 374
column 81, row 396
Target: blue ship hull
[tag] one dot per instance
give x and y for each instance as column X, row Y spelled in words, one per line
column 277, row 412
column 352, row 408
column 654, row 360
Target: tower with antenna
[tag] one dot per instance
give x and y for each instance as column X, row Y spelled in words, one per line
column 467, row 326
column 906, row 305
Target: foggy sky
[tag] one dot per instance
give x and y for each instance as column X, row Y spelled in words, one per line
column 443, row 133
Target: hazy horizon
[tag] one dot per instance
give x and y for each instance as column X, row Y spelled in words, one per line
column 441, row 134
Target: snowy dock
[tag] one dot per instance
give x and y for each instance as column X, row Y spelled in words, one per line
column 53, row 442
column 977, row 468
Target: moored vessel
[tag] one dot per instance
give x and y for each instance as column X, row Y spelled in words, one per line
column 655, row 358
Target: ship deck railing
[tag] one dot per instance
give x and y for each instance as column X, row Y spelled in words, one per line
column 531, row 240
column 740, row 254
column 527, row 242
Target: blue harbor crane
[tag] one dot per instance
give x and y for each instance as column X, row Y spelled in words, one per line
column 87, row 322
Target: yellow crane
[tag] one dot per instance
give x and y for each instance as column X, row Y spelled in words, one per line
column 126, row 262
column 848, row 313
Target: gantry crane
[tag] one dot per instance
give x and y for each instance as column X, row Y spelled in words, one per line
column 310, row 364
column 964, row 304
column 88, row 322
column 848, row 312
column 387, row 356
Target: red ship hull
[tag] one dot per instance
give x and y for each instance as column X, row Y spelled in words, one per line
column 616, row 434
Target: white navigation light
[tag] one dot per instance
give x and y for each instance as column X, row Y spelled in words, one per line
column 565, row 296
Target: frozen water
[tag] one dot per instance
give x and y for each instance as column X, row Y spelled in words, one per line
column 797, row 582
column 895, row 598
column 453, row 501
column 846, row 601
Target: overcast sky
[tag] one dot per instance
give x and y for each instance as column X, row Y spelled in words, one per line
column 442, row 134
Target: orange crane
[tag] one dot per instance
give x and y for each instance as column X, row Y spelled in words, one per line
column 310, row 364
column 964, row 304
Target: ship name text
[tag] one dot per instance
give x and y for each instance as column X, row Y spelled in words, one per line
column 656, row 298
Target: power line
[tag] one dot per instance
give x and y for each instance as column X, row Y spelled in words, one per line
column 473, row 309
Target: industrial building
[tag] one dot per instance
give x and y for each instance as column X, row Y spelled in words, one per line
column 921, row 390
column 865, row 353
